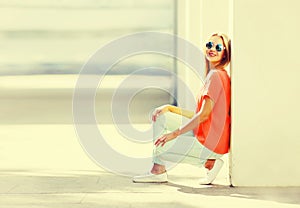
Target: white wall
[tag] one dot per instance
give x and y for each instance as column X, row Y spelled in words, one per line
column 265, row 139
column 265, row 87
column 196, row 21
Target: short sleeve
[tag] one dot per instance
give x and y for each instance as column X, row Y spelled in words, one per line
column 213, row 86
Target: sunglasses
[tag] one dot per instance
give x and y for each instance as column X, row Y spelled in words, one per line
column 219, row 47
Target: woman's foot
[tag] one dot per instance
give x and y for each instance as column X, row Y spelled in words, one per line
column 209, row 164
column 158, row 169
column 151, row 178
column 212, row 173
column 158, row 174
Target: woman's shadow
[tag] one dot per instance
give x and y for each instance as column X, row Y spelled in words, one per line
column 287, row 195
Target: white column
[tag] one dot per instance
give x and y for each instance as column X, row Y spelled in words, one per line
column 188, row 28
column 265, row 87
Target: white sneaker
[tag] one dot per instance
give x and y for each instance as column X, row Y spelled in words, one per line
column 212, row 174
column 151, row 178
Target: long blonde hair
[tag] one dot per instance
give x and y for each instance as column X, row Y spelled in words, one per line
column 227, row 53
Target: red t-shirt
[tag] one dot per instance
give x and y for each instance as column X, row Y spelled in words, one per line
column 214, row 133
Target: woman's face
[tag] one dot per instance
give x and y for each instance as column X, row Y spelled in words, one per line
column 214, row 49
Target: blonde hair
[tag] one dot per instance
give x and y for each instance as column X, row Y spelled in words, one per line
column 227, row 53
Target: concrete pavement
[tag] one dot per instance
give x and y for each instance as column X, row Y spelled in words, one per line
column 101, row 189
column 32, row 188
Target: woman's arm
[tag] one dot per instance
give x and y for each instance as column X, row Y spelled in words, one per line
column 200, row 117
column 171, row 108
column 181, row 111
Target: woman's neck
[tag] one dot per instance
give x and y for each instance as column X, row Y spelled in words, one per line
column 214, row 66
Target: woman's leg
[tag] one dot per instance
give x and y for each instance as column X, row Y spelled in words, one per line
column 174, row 151
column 185, row 148
column 209, row 164
column 212, row 163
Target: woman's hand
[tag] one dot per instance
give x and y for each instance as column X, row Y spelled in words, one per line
column 166, row 138
column 158, row 111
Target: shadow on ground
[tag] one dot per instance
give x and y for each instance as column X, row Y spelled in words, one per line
column 289, row 195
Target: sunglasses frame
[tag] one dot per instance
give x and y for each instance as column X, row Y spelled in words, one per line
column 219, row 47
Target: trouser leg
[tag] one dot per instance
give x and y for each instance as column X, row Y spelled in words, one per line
column 185, row 148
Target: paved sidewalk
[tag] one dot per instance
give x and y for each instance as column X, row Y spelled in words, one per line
column 37, row 188
column 44, row 166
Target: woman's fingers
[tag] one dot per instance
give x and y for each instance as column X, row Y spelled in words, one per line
column 165, row 138
column 154, row 117
column 157, row 142
column 161, row 140
column 156, row 113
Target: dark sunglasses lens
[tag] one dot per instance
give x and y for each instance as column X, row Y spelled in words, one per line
column 219, row 47
column 209, row 45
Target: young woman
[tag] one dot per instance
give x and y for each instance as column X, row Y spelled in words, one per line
column 201, row 137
